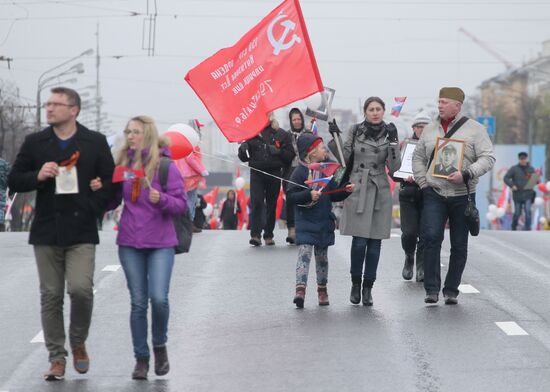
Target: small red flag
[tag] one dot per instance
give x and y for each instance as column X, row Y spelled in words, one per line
column 123, row 173
column 271, row 66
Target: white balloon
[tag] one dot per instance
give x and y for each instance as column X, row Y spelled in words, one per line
column 208, row 209
column 500, row 212
column 314, row 101
column 542, row 220
column 492, row 208
column 539, row 201
column 548, row 186
column 239, row 183
column 187, row 131
column 490, row 216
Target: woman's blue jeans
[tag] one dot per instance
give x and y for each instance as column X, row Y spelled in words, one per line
column 148, row 273
column 365, row 251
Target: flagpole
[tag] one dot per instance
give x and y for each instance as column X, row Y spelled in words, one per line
column 253, row 168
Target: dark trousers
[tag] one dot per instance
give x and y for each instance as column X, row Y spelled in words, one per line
column 518, row 206
column 437, row 209
column 264, row 191
column 410, row 203
column 364, row 251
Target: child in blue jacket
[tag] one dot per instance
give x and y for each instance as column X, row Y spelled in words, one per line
column 315, row 222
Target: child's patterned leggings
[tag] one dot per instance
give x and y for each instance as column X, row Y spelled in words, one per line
column 304, row 258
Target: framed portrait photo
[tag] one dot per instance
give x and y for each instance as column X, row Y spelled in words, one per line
column 407, row 151
column 448, row 157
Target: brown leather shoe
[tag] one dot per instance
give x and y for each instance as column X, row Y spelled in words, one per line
column 81, row 361
column 56, row 371
column 141, row 369
column 269, row 241
column 322, row 295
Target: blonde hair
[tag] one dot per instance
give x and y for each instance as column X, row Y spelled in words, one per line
column 152, row 141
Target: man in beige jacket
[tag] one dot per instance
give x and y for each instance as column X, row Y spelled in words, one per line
column 446, row 198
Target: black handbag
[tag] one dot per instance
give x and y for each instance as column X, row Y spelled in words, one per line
column 472, row 214
column 183, row 224
column 342, row 174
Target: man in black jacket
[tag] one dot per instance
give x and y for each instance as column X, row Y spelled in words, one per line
column 268, row 152
column 59, row 163
column 517, row 178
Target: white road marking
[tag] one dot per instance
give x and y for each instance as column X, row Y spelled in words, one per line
column 393, row 235
column 111, row 268
column 468, row 289
column 510, row 328
column 39, row 338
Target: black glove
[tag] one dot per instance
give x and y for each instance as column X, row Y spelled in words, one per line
column 274, row 150
column 244, row 146
column 392, row 133
column 333, row 128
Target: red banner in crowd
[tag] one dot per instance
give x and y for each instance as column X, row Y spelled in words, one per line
column 271, row 66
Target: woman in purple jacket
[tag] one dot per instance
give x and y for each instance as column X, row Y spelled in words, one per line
column 146, row 239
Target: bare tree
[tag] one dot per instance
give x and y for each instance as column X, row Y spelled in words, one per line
column 15, row 121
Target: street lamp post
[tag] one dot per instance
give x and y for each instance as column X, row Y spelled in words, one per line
column 42, row 83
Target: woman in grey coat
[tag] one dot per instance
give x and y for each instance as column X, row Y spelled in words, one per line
column 367, row 212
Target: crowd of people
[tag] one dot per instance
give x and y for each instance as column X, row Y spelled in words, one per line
column 71, row 170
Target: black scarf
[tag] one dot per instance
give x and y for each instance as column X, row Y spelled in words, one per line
column 374, row 131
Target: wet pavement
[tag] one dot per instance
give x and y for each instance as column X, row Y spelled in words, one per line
column 233, row 326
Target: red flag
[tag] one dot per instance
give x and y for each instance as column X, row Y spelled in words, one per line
column 279, row 206
column 271, row 66
column 123, row 173
column 211, row 196
column 243, row 203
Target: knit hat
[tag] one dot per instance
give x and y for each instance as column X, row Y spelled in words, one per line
column 306, row 143
column 421, row 118
column 452, row 93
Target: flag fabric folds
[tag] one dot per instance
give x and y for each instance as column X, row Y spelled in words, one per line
column 327, row 168
column 124, row 173
column 322, row 181
column 397, row 106
column 271, row 66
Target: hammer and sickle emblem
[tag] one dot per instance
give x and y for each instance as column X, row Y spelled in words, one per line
column 280, row 44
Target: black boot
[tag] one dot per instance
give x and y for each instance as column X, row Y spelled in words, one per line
column 408, row 267
column 141, row 369
column 355, row 295
column 162, row 366
column 367, row 293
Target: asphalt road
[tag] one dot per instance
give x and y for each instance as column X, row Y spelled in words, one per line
column 233, row 326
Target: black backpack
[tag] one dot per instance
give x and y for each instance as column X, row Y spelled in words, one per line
column 183, row 222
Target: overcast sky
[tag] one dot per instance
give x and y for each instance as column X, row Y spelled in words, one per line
column 385, row 48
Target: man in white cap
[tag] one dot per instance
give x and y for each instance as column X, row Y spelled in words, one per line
column 410, row 206
column 447, row 198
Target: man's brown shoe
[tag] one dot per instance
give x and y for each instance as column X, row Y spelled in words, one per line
column 81, row 361
column 56, row 371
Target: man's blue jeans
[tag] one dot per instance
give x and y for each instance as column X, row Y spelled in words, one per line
column 148, row 273
column 437, row 209
column 518, row 206
column 365, row 251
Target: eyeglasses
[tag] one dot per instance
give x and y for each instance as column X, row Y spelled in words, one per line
column 134, row 132
column 55, row 105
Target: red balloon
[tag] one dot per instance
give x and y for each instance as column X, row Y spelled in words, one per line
column 542, row 187
column 180, row 147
